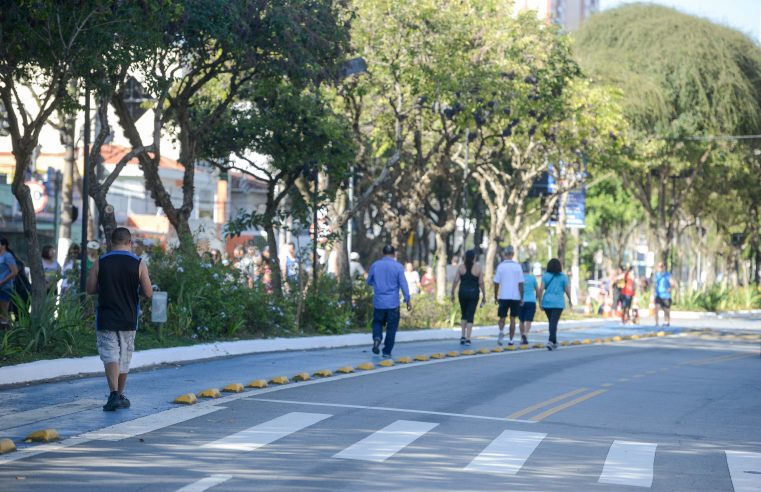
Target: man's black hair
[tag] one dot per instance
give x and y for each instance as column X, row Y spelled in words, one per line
column 388, row 250
column 121, row 235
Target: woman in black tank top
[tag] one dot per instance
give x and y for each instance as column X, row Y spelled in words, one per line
column 470, row 279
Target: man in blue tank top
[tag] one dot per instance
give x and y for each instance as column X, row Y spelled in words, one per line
column 117, row 278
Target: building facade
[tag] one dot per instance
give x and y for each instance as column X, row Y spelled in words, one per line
column 568, row 13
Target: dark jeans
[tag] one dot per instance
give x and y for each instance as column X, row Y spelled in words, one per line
column 553, row 315
column 389, row 318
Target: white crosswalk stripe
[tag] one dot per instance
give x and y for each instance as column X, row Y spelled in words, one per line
column 507, row 453
column 205, row 483
column 267, row 432
column 383, row 444
column 745, row 470
column 629, row 463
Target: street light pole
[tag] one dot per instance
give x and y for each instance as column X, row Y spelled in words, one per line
column 314, row 222
column 85, row 195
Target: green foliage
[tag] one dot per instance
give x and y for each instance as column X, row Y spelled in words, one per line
column 718, row 298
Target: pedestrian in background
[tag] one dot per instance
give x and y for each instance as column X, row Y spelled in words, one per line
column 8, row 270
column 627, row 293
column 413, row 279
column 663, row 286
column 50, row 267
column 555, row 285
column 508, row 292
column 118, row 278
column 387, row 278
column 356, row 270
column 428, row 281
column 528, row 310
column 470, row 280
column 70, row 270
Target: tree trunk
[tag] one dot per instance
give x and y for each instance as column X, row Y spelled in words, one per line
column 277, row 277
column 441, row 267
column 560, row 230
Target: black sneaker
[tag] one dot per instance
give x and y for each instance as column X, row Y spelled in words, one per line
column 552, row 346
column 376, row 345
column 467, row 341
column 112, row 403
column 524, row 340
column 123, row 402
column 462, row 340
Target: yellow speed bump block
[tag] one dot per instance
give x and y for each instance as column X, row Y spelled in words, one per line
column 438, row 355
column 302, row 376
column 636, row 337
column 617, row 338
column 345, row 369
column 258, row 383
column 510, row 348
column 607, row 340
column 627, row 337
column 468, row 352
column 497, row 349
column 538, row 345
column 233, row 388
column 7, row 446
column 576, row 342
column 453, row 353
column 565, row 343
column 586, row 341
column 186, row 399
column 597, row 340
column 210, row 393
column 524, row 347
column 45, row 435
column 422, row 358
column 484, row 351
column 323, row 373
column 386, row 363
column 366, row 366
column 404, row 360
column 280, row 380
column 661, row 334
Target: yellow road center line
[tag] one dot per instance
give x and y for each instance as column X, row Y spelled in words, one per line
column 554, row 410
column 533, row 408
column 606, row 385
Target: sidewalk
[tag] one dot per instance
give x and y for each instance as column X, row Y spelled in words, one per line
column 43, row 370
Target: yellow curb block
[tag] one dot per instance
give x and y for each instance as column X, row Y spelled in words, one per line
column 565, row 343
column 468, row 352
column 404, row 360
column 186, row 399
column 210, row 393
column 510, row 348
column 597, row 340
column 538, row 345
column 586, row 341
column 302, row 376
column 258, row 383
column 635, row 337
column 627, row 337
column 453, row 354
column 323, row 373
column 576, row 342
column 345, row 369
column 280, row 380
column 366, row 366
column 7, row 446
column 524, row 347
column 484, row 351
column 422, row 358
column 616, row 338
column 497, row 349
column 45, row 435
column 661, row 334
column 233, row 388
column 438, row 355
column 386, row 363
column 607, row 340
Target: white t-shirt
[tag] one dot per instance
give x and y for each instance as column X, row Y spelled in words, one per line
column 413, row 282
column 509, row 274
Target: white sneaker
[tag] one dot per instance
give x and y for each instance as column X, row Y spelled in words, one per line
column 500, row 337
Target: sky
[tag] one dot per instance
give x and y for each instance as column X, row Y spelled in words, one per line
column 743, row 15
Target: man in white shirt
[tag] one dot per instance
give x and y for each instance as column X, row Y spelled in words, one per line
column 508, row 292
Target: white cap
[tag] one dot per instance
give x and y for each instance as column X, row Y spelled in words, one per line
column 354, row 255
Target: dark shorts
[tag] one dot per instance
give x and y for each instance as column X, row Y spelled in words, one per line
column 468, row 307
column 5, row 295
column 509, row 307
column 663, row 302
column 528, row 311
column 626, row 301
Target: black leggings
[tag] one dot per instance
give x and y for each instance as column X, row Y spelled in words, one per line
column 553, row 315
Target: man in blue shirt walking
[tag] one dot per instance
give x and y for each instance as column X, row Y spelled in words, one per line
column 663, row 286
column 386, row 278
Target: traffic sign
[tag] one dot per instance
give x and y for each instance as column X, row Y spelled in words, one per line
column 39, row 195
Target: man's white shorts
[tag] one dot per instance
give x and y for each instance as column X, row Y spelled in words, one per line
column 116, row 347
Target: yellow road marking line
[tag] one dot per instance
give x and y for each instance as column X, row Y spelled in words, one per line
column 554, row 410
column 712, row 360
column 607, row 385
column 623, row 380
column 532, row 408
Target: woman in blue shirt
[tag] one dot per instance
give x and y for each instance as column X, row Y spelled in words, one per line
column 554, row 285
column 528, row 310
column 8, row 270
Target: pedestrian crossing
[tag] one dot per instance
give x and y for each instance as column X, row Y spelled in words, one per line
column 628, row 463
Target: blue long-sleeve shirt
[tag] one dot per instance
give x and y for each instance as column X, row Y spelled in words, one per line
column 387, row 277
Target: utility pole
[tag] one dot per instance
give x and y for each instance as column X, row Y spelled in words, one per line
column 85, row 195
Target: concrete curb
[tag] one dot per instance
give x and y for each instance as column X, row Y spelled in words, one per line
column 43, row 370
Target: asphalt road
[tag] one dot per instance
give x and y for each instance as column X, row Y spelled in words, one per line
column 681, row 412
